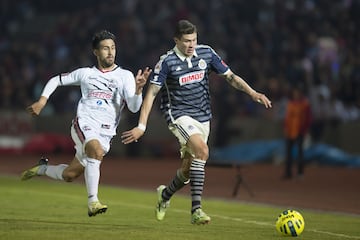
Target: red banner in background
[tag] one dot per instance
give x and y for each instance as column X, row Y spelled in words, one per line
column 17, row 135
column 15, row 129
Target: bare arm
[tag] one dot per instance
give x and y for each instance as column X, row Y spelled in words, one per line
column 134, row 102
column 135, row 133
column 35, row 108
column 240, row 84
column 140, row 79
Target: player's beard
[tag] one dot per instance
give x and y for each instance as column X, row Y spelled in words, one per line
column 107, row 62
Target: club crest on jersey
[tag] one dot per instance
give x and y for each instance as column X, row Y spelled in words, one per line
column 192, row 77
column 202, row 64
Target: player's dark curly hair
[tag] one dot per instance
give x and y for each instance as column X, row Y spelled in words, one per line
column 184, row 27
column 101, row 35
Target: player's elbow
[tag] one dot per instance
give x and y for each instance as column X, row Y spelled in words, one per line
column 133, row 109
column 134, row 103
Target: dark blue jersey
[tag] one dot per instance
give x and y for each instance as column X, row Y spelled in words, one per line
column 185, row 82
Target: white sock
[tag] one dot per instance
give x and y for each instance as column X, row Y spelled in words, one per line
column 55, row 172
column 92, row 178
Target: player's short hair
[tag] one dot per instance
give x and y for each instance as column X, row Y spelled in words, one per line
column 184, row 27
column 101, row 35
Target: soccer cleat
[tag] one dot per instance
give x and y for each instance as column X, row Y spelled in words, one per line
column 95, row 208
column 35, row 170
column 161, row 205
column 199, row 217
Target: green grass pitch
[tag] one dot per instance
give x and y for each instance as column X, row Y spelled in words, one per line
column 44, row 209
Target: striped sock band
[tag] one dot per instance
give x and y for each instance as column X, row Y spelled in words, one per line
column 197, row 178
column 176, row 184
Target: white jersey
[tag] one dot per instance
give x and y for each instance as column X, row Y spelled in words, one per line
column 104, row 95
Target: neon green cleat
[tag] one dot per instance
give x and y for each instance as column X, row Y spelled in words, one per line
column 199, row 217
column 95, row 208
column 35, row 170
column 161, row 205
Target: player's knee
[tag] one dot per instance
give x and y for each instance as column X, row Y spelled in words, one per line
column 96, row 154
column 70, row 176
column 93, row 149
column 99, row 155
column 202, row 153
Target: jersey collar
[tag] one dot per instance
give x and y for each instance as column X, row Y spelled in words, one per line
column 181, row 55
column 108, row 70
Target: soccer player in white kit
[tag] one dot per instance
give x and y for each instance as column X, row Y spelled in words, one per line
column 106, row 89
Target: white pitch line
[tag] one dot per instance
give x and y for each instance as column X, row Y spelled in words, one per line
column 259, row 223
column 334, row 234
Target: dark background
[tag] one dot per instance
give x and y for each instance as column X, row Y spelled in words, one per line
column 273, row 44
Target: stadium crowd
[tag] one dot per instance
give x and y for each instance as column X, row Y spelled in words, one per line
column 273, row 44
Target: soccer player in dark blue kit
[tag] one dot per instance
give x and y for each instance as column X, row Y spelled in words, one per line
column 182, row 78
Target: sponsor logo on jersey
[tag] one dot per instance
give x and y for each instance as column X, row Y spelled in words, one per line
column 192, row 77
column 100, row 94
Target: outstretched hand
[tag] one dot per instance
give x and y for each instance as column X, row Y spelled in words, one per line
column 262, row 99
column 132, row 135
column 35, row 108
column 141, row 78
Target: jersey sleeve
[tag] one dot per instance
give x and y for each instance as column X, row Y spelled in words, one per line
column 217, row 64
column 63, row 79
column 133, row 101
column 160, row 73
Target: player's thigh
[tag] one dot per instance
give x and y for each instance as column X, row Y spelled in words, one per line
column 192, row 136
column 90, row 143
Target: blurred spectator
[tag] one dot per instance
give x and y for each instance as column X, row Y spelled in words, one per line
column 296, row 126
column 273, row 43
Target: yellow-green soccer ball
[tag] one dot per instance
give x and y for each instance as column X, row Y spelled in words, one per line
column 290, row 223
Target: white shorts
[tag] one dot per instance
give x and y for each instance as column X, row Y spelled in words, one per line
column 82, row 132
column 184, row 127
